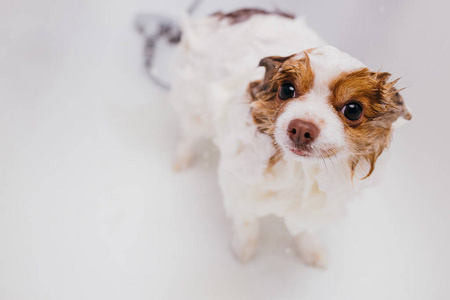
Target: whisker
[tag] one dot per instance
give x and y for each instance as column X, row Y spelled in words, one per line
column 326, row 167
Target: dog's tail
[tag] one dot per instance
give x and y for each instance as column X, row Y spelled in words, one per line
column 154, row 29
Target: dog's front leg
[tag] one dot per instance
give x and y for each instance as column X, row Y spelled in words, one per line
column 244, row 239
column 185, row 151
column 310, row 250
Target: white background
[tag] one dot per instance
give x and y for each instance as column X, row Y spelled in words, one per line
column 89, row 206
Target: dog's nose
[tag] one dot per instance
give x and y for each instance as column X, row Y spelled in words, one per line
column 302, row 132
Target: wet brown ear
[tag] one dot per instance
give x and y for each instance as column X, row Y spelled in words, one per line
column 378, row 131
column 397, row 99
column 272, row 64
column 394, row 99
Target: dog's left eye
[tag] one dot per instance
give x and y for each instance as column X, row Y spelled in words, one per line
column 287, row 91
column 352, row 111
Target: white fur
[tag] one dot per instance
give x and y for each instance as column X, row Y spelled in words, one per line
column 215, row 64
column 313, row 108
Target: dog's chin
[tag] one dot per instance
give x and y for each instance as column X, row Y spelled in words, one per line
column 292, row 153
column 300, row 155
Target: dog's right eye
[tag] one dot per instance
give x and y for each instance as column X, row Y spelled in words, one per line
column 287, row 91
column 353, row 111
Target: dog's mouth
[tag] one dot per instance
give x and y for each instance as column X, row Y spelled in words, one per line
column 300, row 152
column 309, row 153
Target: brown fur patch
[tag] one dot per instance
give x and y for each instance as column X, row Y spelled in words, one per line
column 266, row 105
column 382, row 105
column 242, row 15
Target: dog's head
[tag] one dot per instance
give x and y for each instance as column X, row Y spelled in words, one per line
column 323, row 103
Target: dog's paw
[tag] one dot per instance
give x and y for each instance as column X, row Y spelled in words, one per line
column 184, row 154
column 244, row 250
column 244, row 239
column 317, row 258
column 181, row 163
column 311, row 251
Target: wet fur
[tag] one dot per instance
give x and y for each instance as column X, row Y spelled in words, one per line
column 220, row 94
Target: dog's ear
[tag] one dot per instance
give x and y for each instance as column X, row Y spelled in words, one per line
column 272, row 64
column 397, row 107
column 377, row 132
column 397, row 99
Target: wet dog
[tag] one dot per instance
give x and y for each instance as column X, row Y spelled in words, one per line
column 298, row 137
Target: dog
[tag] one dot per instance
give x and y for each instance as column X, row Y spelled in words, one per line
column 298, row 136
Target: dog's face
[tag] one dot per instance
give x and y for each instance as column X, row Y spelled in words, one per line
column 323, row 103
